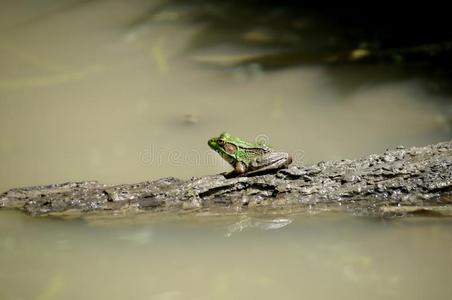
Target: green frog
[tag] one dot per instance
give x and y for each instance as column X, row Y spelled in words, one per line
column 248, row 158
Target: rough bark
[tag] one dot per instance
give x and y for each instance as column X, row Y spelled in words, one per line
column 397, row 182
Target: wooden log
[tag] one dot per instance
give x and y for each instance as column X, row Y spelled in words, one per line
column 397, row 182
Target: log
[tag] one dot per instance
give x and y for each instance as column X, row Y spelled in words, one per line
column 398, row 182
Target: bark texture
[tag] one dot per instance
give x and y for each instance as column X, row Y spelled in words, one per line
column 398, row 182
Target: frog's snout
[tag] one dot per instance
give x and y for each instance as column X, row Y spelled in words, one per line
column 211, row 143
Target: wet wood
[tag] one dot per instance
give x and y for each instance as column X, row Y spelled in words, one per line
column 395, row 183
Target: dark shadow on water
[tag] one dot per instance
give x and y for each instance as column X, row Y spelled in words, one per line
column 413, row 41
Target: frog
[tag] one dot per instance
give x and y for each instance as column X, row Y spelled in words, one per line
column 248, row 158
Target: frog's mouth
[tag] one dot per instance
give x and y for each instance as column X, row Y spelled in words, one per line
column 212, row 143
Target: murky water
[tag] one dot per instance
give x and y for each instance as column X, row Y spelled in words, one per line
column 86, row 95
column 315, row 257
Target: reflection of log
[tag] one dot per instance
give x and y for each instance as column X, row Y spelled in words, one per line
column 396, row 182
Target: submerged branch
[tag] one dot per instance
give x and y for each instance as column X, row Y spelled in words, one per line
column 397, row 182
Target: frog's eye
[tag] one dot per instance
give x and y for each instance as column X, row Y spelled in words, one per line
column 220, row 142
column 230, row 148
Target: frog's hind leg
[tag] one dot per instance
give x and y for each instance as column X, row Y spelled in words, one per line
column 270, row 162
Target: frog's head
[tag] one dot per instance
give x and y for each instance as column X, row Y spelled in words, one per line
column 225, row 146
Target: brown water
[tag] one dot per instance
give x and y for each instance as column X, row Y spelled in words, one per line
column 85, row 95
column 311, row 257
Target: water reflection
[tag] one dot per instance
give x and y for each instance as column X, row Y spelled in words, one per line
column 319, row 257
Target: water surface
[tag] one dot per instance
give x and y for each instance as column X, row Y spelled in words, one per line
column 330, row 256
column 87, row 95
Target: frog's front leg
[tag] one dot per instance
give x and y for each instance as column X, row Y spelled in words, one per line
column 239, row 170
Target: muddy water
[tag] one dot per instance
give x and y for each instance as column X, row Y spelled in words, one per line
column 86, row 95
column 314, row 257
